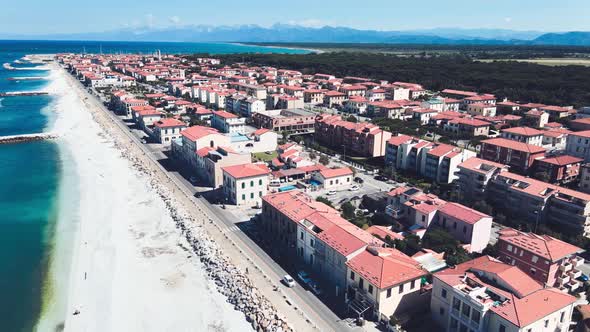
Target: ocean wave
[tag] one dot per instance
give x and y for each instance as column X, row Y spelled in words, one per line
column 8, row 66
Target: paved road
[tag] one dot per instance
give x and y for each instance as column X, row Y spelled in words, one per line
column 313, row 308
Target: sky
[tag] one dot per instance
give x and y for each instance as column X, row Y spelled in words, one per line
column 74, row 16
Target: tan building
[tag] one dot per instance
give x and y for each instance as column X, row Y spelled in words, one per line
column 334, row 178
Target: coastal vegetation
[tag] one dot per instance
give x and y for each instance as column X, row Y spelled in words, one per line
column 517, row 81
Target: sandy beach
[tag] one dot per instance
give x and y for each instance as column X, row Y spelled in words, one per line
column 130, row 267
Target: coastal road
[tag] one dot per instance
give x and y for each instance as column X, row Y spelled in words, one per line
column 316, row 311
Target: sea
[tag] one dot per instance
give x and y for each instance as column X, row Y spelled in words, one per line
column 33, row 172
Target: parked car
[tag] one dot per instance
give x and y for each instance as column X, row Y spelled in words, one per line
column 358, row 180
column 380, row 178
column 583, row 278
column 354, row 188
column 304, row 277
column 331, row 193
column 288, row 281
column 315, row 288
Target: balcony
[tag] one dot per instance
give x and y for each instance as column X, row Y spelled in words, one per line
column 394, row 212
column 565, row 267
column 577, row 261
column 574, row 274
column 563, row 279
column 573, row 285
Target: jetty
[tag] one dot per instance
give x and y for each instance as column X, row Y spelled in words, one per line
column 32, row 78
column 16, row 94
column 26, row 138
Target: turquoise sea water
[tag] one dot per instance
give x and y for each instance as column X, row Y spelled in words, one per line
column 32, row 172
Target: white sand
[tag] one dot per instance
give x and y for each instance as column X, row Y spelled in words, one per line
column 128, row 272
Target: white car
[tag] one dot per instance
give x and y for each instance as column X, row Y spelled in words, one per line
column 354, row 188
column 289, row 282
column 331, row 193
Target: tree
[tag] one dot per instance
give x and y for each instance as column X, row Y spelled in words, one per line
column 483, row 207
column 324, row 200
column 324, row 160
column 491, row 250
column 352, row 118
column 348, row 211
column 313, row 155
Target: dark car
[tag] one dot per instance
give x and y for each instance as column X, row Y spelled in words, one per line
column 358, row 180
column 380, row 178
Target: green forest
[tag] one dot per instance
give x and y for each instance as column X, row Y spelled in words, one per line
column 517, row 81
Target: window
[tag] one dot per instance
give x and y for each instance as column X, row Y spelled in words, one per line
column 562, row 317
column 351, row 275
column 260, row 182
column 456, row 304
column 533, row 271
column 251, row 195
column 361, row 283
column 465, row 310
column 243, row 197
column 443, row 293
column 464, row 229
column 509, row 248
column 455, row 225
column 454, row 324
column 412, row 284
column 546, row 323
column 370, row 289
column 534, row 259
column 301, row 235
column 441, row 311
column 260, row 194
column 252, row 183
column 423, row 218
column 243, row 185
column 502, row 328
column 401, row 288
column 475, row 315
column 389, row 292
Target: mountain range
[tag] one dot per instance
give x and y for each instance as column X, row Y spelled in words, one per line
column 326, row 34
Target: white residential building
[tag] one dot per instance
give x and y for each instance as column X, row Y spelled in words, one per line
column 245, row 184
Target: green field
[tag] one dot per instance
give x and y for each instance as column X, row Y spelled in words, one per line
column 263, row 156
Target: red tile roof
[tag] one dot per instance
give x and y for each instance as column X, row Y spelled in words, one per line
column 382, row 232
column 246, row 170
column 385, row 267
column 561, row 160
column 399, row 139
column 328, row 173
column 196, row 132
column 224, row 114
column 541, row 245
column 514, row 145
column 462, row 213
column 169, row 122
column 523, row 131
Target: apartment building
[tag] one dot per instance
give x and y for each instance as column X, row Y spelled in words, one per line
column 481, row 109
column 334, row 98
column 584, row 184
column 245, row 184
column 524, row 134
column 467, row 127
column 435, row 161
column 578, row 145
column 415, row 208
column 536, row 118
column 474, row 175
column 350, row 261
column 211, row 162
column 548, row 260
column 256, row 91
column 362, row 139
column 560, row 169
column 243, row 105
column 228, row 122
column 289, row 120
column 485, row 294
column 193, row 139
column 167, row 130
column 519, row 156
column 314, row 96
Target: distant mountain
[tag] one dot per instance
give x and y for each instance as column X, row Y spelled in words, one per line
column 327, row 34
column 574, row 38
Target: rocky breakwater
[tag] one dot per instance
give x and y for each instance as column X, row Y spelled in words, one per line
column 231, row 281
column 26, row 138
column 16, row 94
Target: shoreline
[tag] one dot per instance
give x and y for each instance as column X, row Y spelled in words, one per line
column 311, row 50
column 106, row 294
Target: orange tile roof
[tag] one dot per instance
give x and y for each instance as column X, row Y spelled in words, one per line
column 514, row 145
column 246, row 170
column 399, row 139
column 385, row 267
column 196, row 132
column 462, row 213
column 523, row 131
column 541, row 245
column 383, row 232
column 169, row 122
column 480, row 165
column 328, row 173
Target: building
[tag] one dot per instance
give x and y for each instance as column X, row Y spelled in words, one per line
column 212, row 161
column 194, row 139
column 245, row 184
column 289, row 120
column 536, row 118
column 435, row 161
column 559, row 169
column 417, row 209
column 384, row 282
column 550, row 261
column 519, row 156
column 362, row 138
column 485, row 294
column 167, row 130
column 334, row 98
column 467, row 127
column 482, row 109
column 584, row 184
column 334, row 178
column 578, row 144
column 228, row 122
column 474, row 175
column 524, row 134
column 582, row 124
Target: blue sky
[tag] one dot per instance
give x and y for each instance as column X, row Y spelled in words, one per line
column 68, row 16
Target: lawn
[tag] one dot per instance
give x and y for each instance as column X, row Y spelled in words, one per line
column 263, row 156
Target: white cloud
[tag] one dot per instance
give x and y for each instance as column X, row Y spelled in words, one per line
column 507, row 19
column 174, row 20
